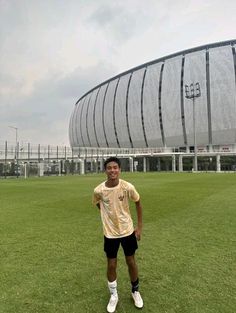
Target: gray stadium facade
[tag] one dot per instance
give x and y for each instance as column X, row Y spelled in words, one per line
column 146, row 107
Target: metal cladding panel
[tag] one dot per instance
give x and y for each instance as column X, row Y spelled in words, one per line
column 90, row 121
column 150, row 106
column 226, row 136
column 134, row 109
column 195, row 71
column 72, row 138
column 170, row 104
column 108, row 115
column 99, row 117
column 120, row 112
column 83, row 113
column 223, row 101
column 77, row 132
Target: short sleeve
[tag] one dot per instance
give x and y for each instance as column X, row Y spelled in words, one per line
column 96, row 197
column 133, row 194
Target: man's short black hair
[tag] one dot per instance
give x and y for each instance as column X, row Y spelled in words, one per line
column 111, row 159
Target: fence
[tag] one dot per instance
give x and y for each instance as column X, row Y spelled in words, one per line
column 31, row 160
column 26, row 160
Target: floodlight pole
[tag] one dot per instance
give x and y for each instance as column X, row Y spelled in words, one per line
column 193, row 91
column 195, row 137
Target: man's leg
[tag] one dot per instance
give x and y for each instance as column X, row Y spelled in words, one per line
column 132, row 267
column 133, row 273
column 111, row 269
column 130, row 245
column 111, row 247
column 112, row 284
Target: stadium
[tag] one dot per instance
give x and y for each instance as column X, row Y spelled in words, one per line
column 148, row 108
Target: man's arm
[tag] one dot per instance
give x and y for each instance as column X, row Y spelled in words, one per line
column 138, row 229
column 96, row 199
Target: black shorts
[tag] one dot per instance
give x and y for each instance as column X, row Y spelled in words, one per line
column 128, row 243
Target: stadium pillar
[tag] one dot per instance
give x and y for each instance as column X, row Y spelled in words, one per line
column 101, row 164
column 59, row 167
column 159, row 164
column 131, row 164
column 26, row 170
column 40, row 168
column 96, row 165
column 173, row 163
column 180, row 163
column 82, row 166
column 218, row 167
column 76, row 166
column 92, row 166
column 144, row 164
column 210, row 148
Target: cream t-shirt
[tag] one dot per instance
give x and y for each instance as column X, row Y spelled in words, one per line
column 114, row 207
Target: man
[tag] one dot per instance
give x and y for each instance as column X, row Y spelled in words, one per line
column 112, row 198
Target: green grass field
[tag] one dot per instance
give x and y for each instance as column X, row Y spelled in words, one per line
column 51, row 245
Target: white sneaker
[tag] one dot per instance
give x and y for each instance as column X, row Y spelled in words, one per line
column 138, row 301
column 111, row 307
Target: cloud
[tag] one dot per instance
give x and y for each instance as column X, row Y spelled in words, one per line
column 52, row 52
column 46, row 110
column 120, row 22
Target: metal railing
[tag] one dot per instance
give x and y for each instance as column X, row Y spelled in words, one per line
column 25, row 159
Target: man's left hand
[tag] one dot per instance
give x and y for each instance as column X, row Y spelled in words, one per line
column 137, row 233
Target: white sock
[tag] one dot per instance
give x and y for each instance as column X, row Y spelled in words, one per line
column 112, row 286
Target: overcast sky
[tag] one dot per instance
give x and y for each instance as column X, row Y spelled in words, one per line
column 53, row 51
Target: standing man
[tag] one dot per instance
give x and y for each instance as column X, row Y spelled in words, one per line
column 112, row 198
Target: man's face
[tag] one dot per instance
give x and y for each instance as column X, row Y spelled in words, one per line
column 112, row 170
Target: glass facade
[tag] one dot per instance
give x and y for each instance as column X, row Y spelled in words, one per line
column 146, row 106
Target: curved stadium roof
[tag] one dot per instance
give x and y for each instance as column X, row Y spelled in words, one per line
column 146, row 105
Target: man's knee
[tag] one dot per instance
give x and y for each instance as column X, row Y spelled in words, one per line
column 111, row 264
column 130, row 261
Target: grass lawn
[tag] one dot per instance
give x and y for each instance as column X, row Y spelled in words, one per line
column 51, row 245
